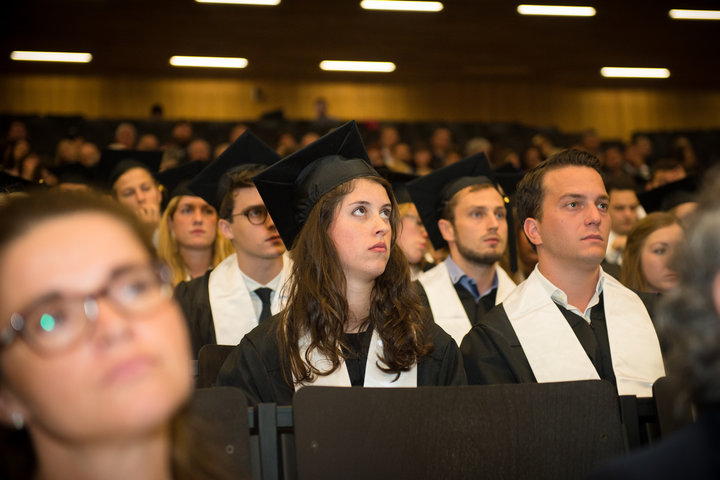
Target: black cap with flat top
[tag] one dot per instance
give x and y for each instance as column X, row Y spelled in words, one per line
column 114, row 163
column 175, row 180
column 292, row 186
column 670, row 195
column 247, row 151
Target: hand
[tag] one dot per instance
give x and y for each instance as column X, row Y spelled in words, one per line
column 149, row 215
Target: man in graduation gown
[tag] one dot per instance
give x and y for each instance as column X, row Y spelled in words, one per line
column 246, row 288
column 568, row 320
column 462, row 208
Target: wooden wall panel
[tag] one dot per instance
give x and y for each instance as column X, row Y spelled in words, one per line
column 615, row 113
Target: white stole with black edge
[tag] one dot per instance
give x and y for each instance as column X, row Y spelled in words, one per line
column 230, row 303
column 556, row 355
column 374, row 377
column 446, row 307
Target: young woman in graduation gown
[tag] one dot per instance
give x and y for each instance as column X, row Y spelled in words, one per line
column 352, row 318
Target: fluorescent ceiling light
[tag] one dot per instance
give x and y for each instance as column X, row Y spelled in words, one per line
column 348, row 66
column 678, row 14
column 627, row 72
column 556, row 10
column 217, row 62
column 51, row 56
column 401, row 5
column 242, row 2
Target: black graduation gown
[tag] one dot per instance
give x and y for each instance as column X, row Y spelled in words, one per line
column 194, row 300
column 255, row 366
column 492, row 353
column 693, row 452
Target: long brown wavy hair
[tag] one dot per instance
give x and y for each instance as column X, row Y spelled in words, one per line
column 317, row 305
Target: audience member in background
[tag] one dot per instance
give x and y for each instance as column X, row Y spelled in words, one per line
column 308, row 138
column 148, row 142
column 286, row 144
column 125, row 136
column 545, row 145
column 219, row 149
column 462, row 208
column 182, row 134
column 67, row 151
column 590, row 141
column 647, row 260
column 507, row 160
column 568, row 320
column 690, row 325
column 243, row 290
column 478, row 145
column 236, row 132
column 441, row 142
column 89, row 155
column 131, row 180
column 452, row 156
column 612, row 162
column 412, row 238
column 375, row 155
column 422, row 159
column 188, row 237
column 389, row 137
column 198, row 151
column 401, row 158
column 351, row 316
column 531, row 157
column 526, row 253
column 623, row 210
column 95, row 368
column 664, row 171
column 683, row 152
column 635, row 161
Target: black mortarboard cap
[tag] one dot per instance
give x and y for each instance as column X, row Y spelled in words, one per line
column 292, row 186
column 113, row 163
column 175, row 180
column 74, row 173
column 670, row 195
column 398, row 181
column 247, row 151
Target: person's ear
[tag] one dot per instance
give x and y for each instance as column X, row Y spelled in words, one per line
column 446, row 230
column 530, row 227
column 225, row 229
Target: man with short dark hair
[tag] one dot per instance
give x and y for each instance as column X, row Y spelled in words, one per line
column 568, row 320
column 623, row 211
column 245, row 288
column 462, row 209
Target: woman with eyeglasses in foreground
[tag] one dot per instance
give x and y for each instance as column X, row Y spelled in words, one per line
column 94, row 353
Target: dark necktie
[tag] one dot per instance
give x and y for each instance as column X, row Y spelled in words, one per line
column 264, row 294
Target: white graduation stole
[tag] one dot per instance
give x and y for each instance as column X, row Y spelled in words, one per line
column 447, row 309
column 556, row 355
column 374, row 377
column 230, row 303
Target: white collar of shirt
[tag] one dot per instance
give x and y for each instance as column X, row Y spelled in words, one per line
column 560, row 297
column 252, row 285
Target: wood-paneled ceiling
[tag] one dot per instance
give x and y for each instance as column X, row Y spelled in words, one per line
column 469, row 41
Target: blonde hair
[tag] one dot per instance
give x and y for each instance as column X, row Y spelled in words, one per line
column 168, row 247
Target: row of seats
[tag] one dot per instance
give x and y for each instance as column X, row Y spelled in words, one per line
column 541, row 431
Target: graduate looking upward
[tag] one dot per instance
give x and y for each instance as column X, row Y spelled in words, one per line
column 351, row 318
